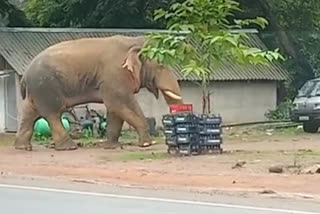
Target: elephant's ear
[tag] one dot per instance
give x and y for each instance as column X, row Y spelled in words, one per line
column 133, row 64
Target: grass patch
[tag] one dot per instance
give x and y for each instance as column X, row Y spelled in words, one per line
column 307, row 152
column 259, row 132
column 6, row 143
column 6, row 140
column 87, row 142
column 292, row 131
column 133, row 156
column 301, row 153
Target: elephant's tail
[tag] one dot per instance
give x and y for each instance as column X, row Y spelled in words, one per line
column 23, row 88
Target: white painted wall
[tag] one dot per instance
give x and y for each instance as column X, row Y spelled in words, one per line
column 244, row 102
column 2, row 106
column 236, row 102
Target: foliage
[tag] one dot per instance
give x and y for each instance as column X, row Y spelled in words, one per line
column 87, row 133
column 299, row 21
column 93, row 13
column 206, row 23
column 282, row 112
column 304, row 15
column 40, row 137
column 11, row 15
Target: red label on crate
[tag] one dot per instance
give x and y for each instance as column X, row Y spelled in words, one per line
column 181, row 108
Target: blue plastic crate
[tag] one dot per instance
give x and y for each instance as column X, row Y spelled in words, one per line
column 169, row 130
column 210, row 120
column 187, row 138
column 210, row 140
column 188, row 149
column 185, row 118
column 168, row 120
column 186, row 128
column 171, row 141
column 203, row 130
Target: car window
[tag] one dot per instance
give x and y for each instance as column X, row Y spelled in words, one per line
column 307, row 88
column 316, row 90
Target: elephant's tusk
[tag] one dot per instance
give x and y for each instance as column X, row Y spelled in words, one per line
column 173, row 95
column 126, row 65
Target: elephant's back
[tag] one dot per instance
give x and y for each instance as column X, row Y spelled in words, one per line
column 75, row 59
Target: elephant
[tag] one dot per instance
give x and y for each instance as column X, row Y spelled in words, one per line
column 108, row 70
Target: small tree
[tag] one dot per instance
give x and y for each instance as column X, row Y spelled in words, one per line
column 205, row 27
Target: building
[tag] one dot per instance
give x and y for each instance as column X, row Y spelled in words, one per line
column 240, row 93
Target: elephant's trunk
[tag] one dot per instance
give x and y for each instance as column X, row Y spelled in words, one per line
column 167, row 83
column 156, row 77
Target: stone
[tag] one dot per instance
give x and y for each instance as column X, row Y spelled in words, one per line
column 276, row 169
column 239, row 164
column 267, row 191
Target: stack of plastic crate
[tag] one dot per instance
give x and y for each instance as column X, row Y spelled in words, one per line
column 210, row 133
column 181, row 133
column 169, row 130
column 187, row 134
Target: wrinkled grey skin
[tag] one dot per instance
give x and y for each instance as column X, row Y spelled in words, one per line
column 100, row 70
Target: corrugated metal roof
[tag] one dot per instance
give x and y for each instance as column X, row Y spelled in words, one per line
column 19, row 45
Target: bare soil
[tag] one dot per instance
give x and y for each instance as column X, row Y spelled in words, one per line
column 258, row 148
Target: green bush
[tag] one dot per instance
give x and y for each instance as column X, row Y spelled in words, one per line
column 282, row 112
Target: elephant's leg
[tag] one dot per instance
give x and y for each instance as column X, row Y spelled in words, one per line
column 135, row 118
column 62, row 140
column 114, row 127
column 29, row 115
column 132, row 114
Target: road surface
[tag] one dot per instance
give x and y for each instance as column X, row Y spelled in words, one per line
column 18, row 199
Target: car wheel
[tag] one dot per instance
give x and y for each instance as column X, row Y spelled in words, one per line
column 310, row 127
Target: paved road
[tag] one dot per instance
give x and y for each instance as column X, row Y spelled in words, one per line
column 38, row 196
column 17, row 200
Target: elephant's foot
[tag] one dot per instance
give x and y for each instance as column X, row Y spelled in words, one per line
column 21, row 144
column 146, row 144
column 65, row 145
column 112, row 145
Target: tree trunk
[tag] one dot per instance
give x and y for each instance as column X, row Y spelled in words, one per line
column 206, row 107
column 209, row 104
column 204, row 102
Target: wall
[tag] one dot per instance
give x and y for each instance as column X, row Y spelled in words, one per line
column 2, row 91
column 18, row 100
column 8, row 106
column 2, row 106
column 11, row 103
column 236, row 102
column 248, row 101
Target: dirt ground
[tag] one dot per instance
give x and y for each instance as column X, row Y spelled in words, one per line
column 257, row 147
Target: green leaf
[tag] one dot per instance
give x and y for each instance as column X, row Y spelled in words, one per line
column 269, row 57
column 175, row 6
column 187, row 27
column 262, row 22
column 186, row 71
column 215, row 39
column 159, row 14
column 232, row 41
